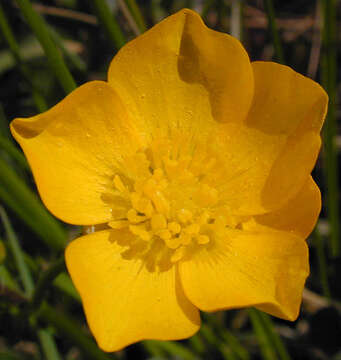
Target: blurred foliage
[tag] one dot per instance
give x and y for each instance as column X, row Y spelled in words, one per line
column 40, row 42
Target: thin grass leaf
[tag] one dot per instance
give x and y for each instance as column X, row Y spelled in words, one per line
column 56, row 62
column 172, row 348
column 68, row 327
column 270, row 12
column 64, row 283
column 322, row 262
column 266, row 346
column 274, row 337
column 14, row 153
column 17, row 196
column 45, row 282
column 17, row 253
column 48, row 345
column 329, row 81
column 137, row 15
column 109, row 23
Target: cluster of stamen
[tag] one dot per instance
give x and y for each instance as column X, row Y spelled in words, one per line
column 168, row 204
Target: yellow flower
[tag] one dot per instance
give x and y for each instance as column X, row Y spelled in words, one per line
column 195, row 163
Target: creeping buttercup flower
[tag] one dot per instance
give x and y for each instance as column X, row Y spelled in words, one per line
column 195, row 164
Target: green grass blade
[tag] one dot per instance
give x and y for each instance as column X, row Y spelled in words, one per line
column 48, row 345
column 17, row 253
column 329, row 81
column 136, row 13
column 172, row 348
column 109, row 23
column 322, row 263
column 270, row 12
column 17, row 196
column 266, row 346
column 64, row 283
column 14, row 153
column 274, row 337
column 45, row 281
column 56, row 62
column 69, row 328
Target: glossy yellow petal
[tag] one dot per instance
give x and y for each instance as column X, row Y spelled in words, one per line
column 182, row 75
column 269, row 158
column 73, row 150
column 123, row 301
column 262, row 269
column 298, row 216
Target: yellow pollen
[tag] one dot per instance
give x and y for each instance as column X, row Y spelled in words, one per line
column 207, row 196
column 134, row 218
column 158, row 222
column 140, row 232
column 173, row 243
column 165, row 235
column 203, row 239
column 192, row 229
column 158, row 174
column 174, row 227
column 118, row 224
column 185, row 239
column 184, row 215
column 166, row 204
column 178, row 254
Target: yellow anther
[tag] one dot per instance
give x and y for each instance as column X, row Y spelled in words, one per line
column 206, row 196
column 119, row 184
column 134, row 218
column 158, row 174
column 192, row 229
column 165, row 235
column 185, row 239
column 178, row 254
column 174, row 227
column 158, row 222
column 171, row 167
column 150, row 187
column 203, row 239
column 204, row 218
column 220, row 223
column 184, row 215
column 173, row 243
column 141, row 204
column 140, row 232
column 118, row 224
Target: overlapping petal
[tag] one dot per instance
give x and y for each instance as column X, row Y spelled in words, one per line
column 125, row 302
column 182, row 75
column 74, row 148
column 269, row 158
column 248, row 268
column 298, row 216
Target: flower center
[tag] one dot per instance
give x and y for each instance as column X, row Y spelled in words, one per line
column 164, row 200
